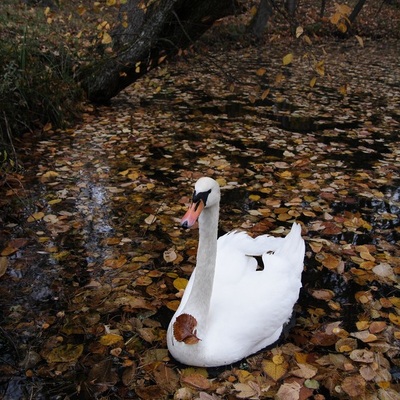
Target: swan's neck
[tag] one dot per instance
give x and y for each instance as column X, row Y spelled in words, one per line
column 198, row 303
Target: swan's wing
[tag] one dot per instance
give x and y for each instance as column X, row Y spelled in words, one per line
column 291, row 251
column 242, row 242
column 235, row 254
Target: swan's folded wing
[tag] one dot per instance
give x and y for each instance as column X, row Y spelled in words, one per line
column 247, row 245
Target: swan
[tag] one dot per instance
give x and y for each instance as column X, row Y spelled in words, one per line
column 230, row 309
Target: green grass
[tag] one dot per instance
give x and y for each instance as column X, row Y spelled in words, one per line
column 37, row 85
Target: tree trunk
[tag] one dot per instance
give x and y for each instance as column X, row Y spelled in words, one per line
column 322, row 10
column 290, row 6
column 356, row 10
column 151, row 36
column 260, row 20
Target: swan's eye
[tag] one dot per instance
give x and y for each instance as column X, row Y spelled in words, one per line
column 203, row 196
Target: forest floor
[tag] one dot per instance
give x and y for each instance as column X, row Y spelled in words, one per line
column 93, row 260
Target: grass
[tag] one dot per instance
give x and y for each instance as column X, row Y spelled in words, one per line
column 37, row 85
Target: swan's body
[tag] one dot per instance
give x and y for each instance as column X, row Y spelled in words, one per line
column 230, row 309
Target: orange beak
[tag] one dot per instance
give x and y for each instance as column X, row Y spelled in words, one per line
column 192, row 214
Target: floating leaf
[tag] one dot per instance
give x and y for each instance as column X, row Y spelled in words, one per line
column 360, row 40
column 287, row 59
column 180, row 283
column 261, row 71
column 106, row 39
column 299, row 31
column 395, row 319
column 170, row 255
column 320, row 68
column 306, row 371
column 65, row 353
column 111, row 339
column 273, row 370
column 196, row 381
column 36, row 216
column 313, row 81
column 3, row 265
column 354, row 385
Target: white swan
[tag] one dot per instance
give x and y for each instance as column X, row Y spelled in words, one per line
column 230, row 309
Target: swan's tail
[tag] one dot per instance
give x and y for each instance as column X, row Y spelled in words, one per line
column 293, row 248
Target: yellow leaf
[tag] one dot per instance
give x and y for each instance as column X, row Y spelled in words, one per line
column 55, row 201
column 343, row 90
column 107, row 39
column 110, row 339
column 278, row 359
column 343, row 9
column 173, row 305
column 395, row 319
column 342, row 27
column 320, row 68
column 307, row 39
column 313, row 81
column 180, row 283
column 36, row 216
column 65, row 353
column 254, row 197
column 48, row 176
column 287, row 59
column 274, row 371
column 110, row 3
column 261, row 71
column 335, row 18
column 299, row 31
column 395, row 301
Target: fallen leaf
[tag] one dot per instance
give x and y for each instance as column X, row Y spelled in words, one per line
column 110, row 339
column 287, row 59
column 354, row 385
column 196, row 381
column 273, row 370
column 3, row 265
column 64, row 353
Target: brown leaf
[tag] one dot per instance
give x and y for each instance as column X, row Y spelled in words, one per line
column 377, row 326
column 3, row 265
column 152, row 392
column 362, row 355
column 129, row 375
column 289, row 391
column 184, row 329
column 197, row 381
column 354, row 385
column 166, row 377
column 306, row 371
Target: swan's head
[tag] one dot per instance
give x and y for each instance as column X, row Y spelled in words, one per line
column 206, row 194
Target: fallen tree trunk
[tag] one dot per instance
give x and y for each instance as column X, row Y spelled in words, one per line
column 146, row 37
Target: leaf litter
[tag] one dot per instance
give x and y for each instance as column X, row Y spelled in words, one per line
column 93, row 261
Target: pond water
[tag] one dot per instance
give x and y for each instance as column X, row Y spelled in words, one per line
column 85, row 234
